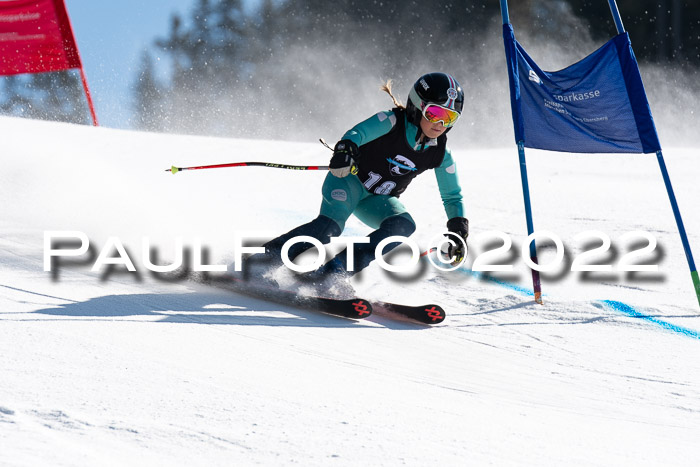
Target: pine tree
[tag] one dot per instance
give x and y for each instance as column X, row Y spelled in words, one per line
column 46, row 96
column 150, row 113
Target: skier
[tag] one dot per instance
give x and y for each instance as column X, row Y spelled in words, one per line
column 371, row 166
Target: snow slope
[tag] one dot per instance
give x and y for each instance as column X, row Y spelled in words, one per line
column 121, row 368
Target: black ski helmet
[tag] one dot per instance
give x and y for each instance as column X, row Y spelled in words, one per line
column 434, row 88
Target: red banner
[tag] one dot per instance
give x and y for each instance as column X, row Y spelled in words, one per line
column 36, row 37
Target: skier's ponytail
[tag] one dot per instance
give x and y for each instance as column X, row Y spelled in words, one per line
column 386, row 87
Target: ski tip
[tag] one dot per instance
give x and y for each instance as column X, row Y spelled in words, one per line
column 434, row 314
column 426, row 314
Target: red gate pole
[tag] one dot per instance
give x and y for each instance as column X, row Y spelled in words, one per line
column 88, row 96
column 83, row 77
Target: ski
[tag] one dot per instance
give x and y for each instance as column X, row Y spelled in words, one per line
column 354, row 308
column 428, row 314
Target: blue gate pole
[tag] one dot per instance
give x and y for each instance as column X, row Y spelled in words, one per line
column 616, row 16
column 536, row 283
column 679, row 222
column 504, row 11
column 667, row 181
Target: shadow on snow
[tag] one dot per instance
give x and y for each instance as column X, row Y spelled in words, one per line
column 212, row 308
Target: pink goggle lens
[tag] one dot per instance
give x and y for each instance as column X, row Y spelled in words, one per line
column 435, row 113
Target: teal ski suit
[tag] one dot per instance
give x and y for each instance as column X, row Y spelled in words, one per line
column 387, row 163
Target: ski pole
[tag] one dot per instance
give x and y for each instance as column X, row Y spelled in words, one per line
column 175, row 170
column 427, row 252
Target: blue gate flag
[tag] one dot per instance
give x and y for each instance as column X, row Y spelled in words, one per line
column 597, row 105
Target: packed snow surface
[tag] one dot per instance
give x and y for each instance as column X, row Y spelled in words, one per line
column 111, row 367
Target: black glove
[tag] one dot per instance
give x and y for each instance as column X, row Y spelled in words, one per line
column 459, row 227
column 345, row 154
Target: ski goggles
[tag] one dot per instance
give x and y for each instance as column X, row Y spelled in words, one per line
column 436, row 113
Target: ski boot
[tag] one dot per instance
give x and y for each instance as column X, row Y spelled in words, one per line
column 330, row 280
